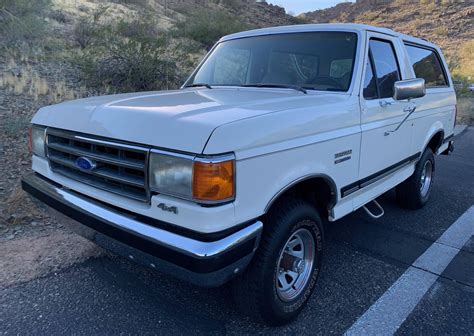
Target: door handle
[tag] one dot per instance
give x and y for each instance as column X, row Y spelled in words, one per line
column 385, row 103
column 409, row 110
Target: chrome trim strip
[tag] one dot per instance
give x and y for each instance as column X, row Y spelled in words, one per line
column 104, row 187
column 71, row 135
column 215, row 158
column 97, row 157
column 175, row 154
column 109, row 176
column 185, row 245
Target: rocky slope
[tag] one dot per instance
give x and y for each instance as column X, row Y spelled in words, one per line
column 449, row 24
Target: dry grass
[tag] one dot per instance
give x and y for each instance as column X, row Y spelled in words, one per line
column 22, row 79
column 441, row 31
column 465, row 111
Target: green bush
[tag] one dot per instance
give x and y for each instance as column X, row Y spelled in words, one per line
column 141, row 3
column 131, row 65
column 207, row 26
column 130, row 56
column 21, row 8
column 88, row 28
column 22, row 21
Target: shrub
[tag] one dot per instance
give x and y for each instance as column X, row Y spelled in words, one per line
column 207, row 26
column 22, row 21
column 129, row 56
column 145, row 28
column 141, row 3
column 231, row 3
column 59, row 16
column 88, row 28
column 132, row 65
column 21, row 8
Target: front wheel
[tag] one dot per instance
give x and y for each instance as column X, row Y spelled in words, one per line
column 415, row 191
column 283, row 273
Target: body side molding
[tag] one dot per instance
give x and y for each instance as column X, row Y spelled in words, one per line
column 353, row 187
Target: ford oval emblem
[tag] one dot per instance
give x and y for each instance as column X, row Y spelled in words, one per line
column 85, row 163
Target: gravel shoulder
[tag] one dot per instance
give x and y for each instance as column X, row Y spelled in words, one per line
column 26, row 258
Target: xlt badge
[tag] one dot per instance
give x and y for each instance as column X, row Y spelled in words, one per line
column 342, row 156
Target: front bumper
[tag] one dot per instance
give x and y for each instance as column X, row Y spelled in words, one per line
column 206, row 263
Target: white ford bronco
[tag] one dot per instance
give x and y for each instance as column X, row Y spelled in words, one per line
column 231, row 177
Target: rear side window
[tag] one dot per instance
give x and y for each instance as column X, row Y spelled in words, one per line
column 427, row 65
column 386, row 67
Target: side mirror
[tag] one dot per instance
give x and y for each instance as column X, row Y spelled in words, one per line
column 409, row 89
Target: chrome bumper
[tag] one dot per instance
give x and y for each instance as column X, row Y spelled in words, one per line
column 207, row 263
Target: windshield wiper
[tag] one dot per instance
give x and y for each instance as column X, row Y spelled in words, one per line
column 198, row 85
column 278, row 86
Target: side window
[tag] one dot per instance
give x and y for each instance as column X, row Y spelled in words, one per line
column 370, row 86
column 386, row 67
column 427, row 65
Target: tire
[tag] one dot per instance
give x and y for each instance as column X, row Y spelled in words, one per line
column 259, row 292
column 415, row 191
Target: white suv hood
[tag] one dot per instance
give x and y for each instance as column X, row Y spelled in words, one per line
column 181, row 120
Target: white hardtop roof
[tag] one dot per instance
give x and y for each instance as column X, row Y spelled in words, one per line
column 322, row 27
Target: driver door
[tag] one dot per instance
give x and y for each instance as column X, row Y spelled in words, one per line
column 381, row 151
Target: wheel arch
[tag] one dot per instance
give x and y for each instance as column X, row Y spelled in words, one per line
column 318, row 189
column 435, row 138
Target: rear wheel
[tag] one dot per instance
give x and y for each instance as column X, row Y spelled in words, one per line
column 283, row 273
column 415, row 191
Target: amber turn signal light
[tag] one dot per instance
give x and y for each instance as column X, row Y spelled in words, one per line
column 213, row 182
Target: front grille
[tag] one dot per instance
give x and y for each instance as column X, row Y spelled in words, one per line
column 119, row 167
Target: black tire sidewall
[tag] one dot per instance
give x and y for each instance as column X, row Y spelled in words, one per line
column 305, row 217
column 427, row 156
column 408, row 193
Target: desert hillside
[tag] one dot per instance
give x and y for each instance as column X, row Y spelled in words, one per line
column 450, row 24
column 56, row 50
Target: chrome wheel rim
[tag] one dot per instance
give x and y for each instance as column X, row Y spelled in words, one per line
column 295, row 265
column 426, row 178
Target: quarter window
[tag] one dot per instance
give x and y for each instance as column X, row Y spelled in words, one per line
column 427, row 65
column 386, row 67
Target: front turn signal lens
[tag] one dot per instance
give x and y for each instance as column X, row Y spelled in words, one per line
column 213, row 181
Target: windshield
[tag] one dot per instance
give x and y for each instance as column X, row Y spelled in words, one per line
column 316, row 60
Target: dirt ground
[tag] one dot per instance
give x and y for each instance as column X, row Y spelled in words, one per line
column 32, row 256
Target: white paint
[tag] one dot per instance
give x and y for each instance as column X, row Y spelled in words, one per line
column 278, row 136
column 386, row 315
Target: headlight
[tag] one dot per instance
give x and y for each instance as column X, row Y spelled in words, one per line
column 171, row 175
column 205, row 180
column 37, row 140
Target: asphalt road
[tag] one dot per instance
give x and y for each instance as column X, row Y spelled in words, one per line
column 364, row 257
